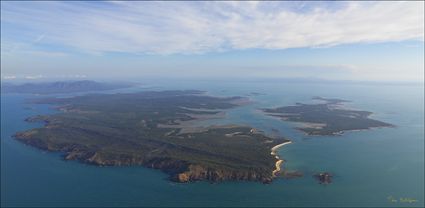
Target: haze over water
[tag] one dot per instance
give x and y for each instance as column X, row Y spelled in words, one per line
column 370, row 167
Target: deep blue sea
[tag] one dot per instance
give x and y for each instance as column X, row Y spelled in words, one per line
column 372, row 168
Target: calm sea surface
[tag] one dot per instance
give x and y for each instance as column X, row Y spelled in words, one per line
column 370, row 167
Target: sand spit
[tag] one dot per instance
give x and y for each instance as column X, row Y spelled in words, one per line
column 279, row 161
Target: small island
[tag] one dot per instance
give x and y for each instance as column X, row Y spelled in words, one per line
column 328, row 117
column 324, row 178
column 156, row 130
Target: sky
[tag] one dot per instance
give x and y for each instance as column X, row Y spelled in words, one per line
column 366, row 41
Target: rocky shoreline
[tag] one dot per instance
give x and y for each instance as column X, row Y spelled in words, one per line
column 178, row 170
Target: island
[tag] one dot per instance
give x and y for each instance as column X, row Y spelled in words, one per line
column 328, row 117
column 156, row 129
column 324, row 178
column 61, row 87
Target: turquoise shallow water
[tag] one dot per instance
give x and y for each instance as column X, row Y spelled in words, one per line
column 369, row 166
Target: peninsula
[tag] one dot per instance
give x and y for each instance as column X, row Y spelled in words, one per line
column 328, row 117
column 155, row 129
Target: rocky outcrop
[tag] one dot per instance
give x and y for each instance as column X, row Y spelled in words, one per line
column 197, row 173
column 182, row 171
column 26, row 137
column 324, row 178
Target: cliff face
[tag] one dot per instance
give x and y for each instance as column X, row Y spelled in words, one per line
column 179, row 171
column 197, row 173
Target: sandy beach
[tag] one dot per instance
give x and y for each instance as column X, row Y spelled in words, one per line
column 274, row 149
column 277, row 170
column 279, row 161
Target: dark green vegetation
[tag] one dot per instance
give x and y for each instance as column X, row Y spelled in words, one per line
column 326, row 118
column 60, row 87
column 138, row 129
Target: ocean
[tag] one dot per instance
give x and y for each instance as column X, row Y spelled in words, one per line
column 377, row 167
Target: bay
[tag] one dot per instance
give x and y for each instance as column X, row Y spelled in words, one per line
column 370, row 167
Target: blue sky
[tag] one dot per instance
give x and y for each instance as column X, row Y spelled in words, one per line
column 381, row 41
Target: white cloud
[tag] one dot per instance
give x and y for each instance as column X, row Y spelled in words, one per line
column 198, row 27
column 9, row 77
column 34, row 77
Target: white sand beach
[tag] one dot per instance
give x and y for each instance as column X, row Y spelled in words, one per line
column 279, row 161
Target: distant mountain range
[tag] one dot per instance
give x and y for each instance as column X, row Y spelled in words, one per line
column 60, row 87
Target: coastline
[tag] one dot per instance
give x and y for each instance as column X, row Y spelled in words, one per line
column 279, row 161
column 277, row 170
column 340, row 133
